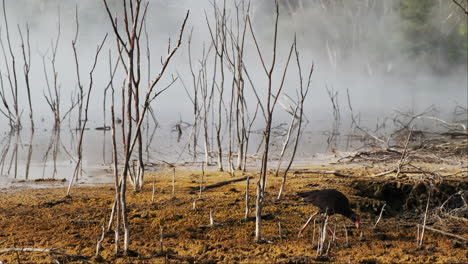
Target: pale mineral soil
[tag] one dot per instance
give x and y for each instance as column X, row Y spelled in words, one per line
column 44, row 218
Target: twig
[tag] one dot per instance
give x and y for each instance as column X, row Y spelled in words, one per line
column 173, row 182
column 306, row 224
column 161, row 238
column 441, row 207
column 328, row 247
column 99, row 242
column 404, row 155
column 247, row 198
column 152, row 194
column 417, row 234
column 280, row 232
column 211, row 218
column 380, row 215
column 202, row 177
column 323, row 236
column 346, row 234
column 313, row 233
column 449, row 125
column 465, row 10
column 446, row 233
column 424, row 221
column 384, row 173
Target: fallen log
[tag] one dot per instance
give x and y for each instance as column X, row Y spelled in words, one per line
column 438, row 231
column 455, row 134
column 218, row 184
column 43, row 250
column 336, row 173
column 446, row 233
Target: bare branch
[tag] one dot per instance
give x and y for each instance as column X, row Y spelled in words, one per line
column 114, row 26
column 464, row 9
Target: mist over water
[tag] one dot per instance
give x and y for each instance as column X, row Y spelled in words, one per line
column 359, row 50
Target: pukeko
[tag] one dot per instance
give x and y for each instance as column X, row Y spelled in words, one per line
column 329, row 201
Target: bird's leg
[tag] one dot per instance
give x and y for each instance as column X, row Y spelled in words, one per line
column 331, row 231
column 334, row 228
column 306, row 224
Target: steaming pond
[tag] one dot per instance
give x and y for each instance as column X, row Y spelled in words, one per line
column 379, row 75
column 47, row 158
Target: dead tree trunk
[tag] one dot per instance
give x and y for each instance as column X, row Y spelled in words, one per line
column 11, row 74
column 240, row 100
column 131, row 52
column 219, row 42
column 53, row 95
column 26, row 69
column 303, row 94
column 196, row 111
column 88, row 95
column 270, row 106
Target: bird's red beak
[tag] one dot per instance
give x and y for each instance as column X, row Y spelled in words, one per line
column 357, row 222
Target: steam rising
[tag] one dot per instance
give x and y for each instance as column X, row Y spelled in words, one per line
column 355, row 45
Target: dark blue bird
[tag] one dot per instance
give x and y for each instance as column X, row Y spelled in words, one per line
column 329, row 201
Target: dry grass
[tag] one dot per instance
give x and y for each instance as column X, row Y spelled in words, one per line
column 45, row 219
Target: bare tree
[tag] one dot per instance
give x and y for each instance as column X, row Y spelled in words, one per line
column 80, row 100
column 205, row 100
column 54, row 100
column 270, row 107
column 117, row 207
column 26, row 51
column 6, row 112
column 6, row 142
column 53, row 95
column 134, row 16
column 11, row 74
column 30, row 152
column 302, row 96
column 196, row 110
column 238, row 41
column 229, row 45
column 218, row 40
column 88, row 95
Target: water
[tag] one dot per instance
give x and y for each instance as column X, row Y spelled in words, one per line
column 48, row 158
column 378, row 83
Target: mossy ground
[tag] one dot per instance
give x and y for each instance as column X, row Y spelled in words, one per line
column 44, row 218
